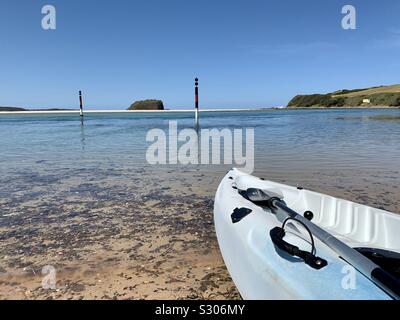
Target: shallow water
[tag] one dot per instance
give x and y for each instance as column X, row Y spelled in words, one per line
column 314, row 148
column 83, row 196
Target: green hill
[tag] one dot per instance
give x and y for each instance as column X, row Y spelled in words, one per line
column 383, row 96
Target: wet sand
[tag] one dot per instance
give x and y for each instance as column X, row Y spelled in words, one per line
column 117, row 234
column 110, row 238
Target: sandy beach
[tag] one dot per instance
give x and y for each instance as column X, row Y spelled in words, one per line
column 123, row 111
column 172, row 111
column 108, row 240
column 123, row 235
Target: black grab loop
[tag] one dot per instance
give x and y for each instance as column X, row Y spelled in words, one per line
column 277, row 234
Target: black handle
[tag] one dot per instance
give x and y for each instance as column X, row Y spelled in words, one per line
column 277, row 234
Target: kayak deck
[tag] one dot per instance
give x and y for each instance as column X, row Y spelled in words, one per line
column 357, row 225
column 260, row 271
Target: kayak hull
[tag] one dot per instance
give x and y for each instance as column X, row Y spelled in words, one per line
column 263, row 272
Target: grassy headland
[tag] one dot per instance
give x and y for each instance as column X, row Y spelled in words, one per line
column 387, row 96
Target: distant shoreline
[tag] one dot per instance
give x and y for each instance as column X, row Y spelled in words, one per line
column 187, row 111
column 128, row 111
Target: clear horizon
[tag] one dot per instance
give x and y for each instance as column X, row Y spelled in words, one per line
column 247, row 55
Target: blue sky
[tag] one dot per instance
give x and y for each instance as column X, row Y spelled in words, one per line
column 247, row 53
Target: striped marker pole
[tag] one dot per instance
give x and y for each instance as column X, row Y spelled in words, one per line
column 197, row 100
column 81, row 103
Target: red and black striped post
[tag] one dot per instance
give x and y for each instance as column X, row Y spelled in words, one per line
column 81, row 102
column 197, row 100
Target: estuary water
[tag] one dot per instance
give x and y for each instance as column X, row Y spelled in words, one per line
column 334, row 147
column 82, row 197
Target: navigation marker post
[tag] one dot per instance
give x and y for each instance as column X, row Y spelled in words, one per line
column 81, row 103
column 197, row 101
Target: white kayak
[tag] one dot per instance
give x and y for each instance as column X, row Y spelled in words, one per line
column 355, row 255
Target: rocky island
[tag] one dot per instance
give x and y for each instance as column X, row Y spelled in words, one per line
column 146, row 105
column 383, row 96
